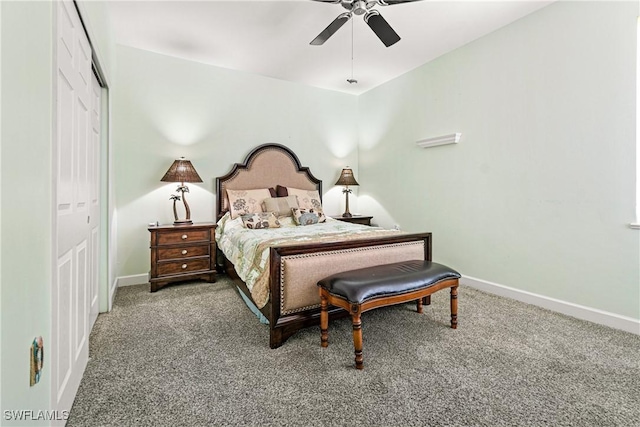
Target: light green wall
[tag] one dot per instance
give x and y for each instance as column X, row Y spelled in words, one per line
column 25, row 225
column 166, row 107
column 539, row 192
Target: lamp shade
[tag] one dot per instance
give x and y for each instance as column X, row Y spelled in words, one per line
column 181, row 171
column 347, row 178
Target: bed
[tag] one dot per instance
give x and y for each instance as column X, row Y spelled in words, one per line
column 284, row 292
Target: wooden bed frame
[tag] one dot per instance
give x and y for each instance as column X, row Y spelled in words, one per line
column 270, row 165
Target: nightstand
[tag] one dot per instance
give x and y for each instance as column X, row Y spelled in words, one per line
column 356, row 219
column 182, row 252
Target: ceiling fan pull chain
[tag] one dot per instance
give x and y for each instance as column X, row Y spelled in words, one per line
column 352, row 80
column 351, row 49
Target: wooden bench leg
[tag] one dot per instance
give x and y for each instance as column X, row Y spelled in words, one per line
column 357, row 339
column 426, row 300
column 324, row 320
column 419, row 305
column 454, row 307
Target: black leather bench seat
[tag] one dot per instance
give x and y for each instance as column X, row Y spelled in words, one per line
column 358, row 286
column 367, row 288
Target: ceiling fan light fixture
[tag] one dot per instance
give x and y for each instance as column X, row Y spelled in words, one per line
column 359, row 8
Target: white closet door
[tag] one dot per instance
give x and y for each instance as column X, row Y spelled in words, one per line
column 94, row 200
column 75, row 250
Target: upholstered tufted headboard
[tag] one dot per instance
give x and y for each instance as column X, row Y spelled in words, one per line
column 268, row 165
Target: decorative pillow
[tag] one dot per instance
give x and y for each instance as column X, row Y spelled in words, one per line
column 308, row 216
column 273, row 192
column 246, row 201
column 259, row 220
column 281, row 206
column 281, row 191
column 307, row 199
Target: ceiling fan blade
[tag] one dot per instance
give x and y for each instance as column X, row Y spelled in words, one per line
column 328, row 1
column 331, row 29
column 381, row 27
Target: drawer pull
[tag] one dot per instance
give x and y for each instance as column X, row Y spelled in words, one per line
column 184, row 252
column 184, row 266
column 184, row 237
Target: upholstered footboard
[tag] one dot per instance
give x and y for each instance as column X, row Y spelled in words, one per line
column 295, row 270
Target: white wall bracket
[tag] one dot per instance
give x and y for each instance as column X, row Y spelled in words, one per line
column 439, row 140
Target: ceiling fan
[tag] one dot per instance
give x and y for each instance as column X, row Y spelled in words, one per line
column 372, row 17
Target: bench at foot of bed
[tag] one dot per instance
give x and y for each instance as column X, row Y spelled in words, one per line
column 364, row 289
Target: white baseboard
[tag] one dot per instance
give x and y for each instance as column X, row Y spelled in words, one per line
column 601, row 317
column 135, row 279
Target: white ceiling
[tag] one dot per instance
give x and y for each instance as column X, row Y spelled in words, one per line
column 271, row 38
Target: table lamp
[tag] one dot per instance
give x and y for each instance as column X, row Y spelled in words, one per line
column 181, row 171
column 347, row 179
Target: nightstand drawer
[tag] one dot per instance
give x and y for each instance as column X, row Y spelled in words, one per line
column 183, row 236
column 183, row 266
column 184, row 252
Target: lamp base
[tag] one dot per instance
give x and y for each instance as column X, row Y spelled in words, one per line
column 346, row 215
column 182, row 222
